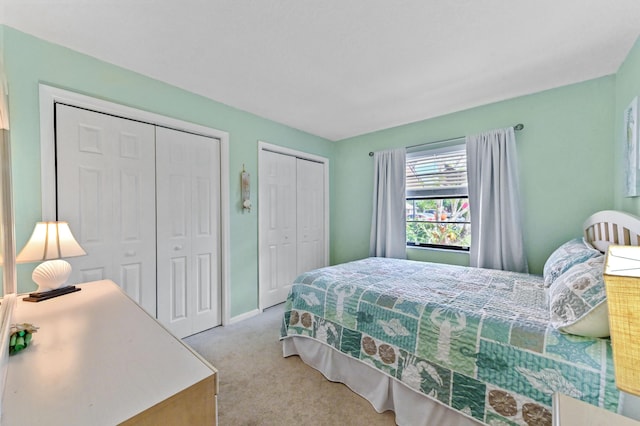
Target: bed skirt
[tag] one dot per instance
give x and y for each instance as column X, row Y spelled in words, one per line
column 383, row 392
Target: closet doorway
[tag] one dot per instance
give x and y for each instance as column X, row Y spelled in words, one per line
column 293, row 218
column 146, row 201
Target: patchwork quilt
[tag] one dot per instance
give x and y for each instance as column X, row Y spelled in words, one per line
column 477, row 340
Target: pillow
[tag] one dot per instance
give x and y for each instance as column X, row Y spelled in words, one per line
column 564, row 257
column 578, row 300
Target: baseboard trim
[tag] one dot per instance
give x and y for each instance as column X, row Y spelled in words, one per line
column 244, row 316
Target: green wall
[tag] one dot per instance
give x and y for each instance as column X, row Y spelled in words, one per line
column 570, row 152
column 627, row 87
column 566, row 155
column 30, row 61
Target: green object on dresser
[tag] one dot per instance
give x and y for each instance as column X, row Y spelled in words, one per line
column 21, row 335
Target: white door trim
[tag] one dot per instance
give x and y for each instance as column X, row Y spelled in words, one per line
column 266, row 146
column 50, row 95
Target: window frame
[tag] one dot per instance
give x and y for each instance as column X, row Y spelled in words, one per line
column 459, row 192
column 435, row 222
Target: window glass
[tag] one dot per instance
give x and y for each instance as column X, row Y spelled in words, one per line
column 437, row 200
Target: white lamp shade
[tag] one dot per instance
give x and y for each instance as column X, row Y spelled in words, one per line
column 50, row 240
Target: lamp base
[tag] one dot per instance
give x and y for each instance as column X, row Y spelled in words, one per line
column 51, row 274
column 44, row 295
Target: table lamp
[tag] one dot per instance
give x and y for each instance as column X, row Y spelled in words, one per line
column 50, row 242
column 622, row 282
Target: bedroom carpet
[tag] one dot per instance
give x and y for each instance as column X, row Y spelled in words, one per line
column 258, row 386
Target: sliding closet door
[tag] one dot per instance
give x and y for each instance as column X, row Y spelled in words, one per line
column 278, row 230
column 292, row 221
column 106, row 191
column 310, row 215
column 188, row 194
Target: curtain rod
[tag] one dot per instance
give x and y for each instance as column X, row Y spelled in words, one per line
column 517, row 127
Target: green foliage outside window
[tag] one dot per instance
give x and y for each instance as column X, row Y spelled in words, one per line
column 439, row 222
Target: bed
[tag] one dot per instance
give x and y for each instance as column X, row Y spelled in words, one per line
column 445, row 344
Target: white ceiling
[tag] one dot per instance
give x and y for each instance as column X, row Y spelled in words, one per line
column 341, row 68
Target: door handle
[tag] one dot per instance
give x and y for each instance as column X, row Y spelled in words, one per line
column 176, row 248
column 130, row 253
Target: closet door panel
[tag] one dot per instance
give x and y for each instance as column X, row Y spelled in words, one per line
column 188, row 173
column 204, row 279
column 130, row 218
column 176, row 203
column 132, row 254
column 173, row 245
column 89, row 274
column 310, row 215
column 205, row 217
column 106, row 191
column 90, row 187
column 131, row 279
column 277, row 263
column 82, row 201
column 178, row 290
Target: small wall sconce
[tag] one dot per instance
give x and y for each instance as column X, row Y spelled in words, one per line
column 245, row 188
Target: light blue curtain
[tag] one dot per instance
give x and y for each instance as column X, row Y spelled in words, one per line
column 494, row 198
column 388, row 226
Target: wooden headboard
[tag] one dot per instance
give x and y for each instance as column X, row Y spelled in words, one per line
column 612, row 227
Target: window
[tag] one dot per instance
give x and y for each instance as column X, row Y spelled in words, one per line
column 438, row 198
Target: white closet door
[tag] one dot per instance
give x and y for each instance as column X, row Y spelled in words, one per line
column 310, row 215
column 188, row 194
column 106, row 191
column 278, row 229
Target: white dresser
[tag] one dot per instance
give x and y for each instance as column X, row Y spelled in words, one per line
column 99, row 359
column 568, row 411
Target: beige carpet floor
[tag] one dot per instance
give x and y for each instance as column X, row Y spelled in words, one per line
column 258, row 386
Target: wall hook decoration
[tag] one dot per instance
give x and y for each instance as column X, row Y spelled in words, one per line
column 245, row 188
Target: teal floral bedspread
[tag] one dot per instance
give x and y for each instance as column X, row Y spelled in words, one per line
column 477, row 340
